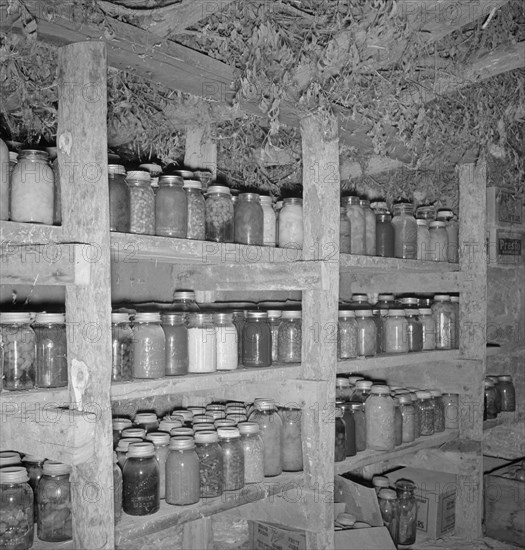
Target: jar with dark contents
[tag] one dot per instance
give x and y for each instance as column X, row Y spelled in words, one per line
column 117, row 489
column 346, row 335
column 232, row 458
column 454, row 302
column 340, row 436
column 362, row 391
column 140, row 480
column 219, row 215
column 35, row 467
column 290, row 337
column 348, row 417
column 414, row 329
column 182, row 472
column 16, row 509
column 196, row 210
column 171, row 208
column 161, row 441
column 426, row 413
column 405, row 231
column 249, row 220
column 358, row 410
column 385, row 236
column 147, row 421
column 292, row 441
column 55, row 520
column 121, row 345
column 51, row 350
column 417, row 415
column 271, row 429
column 253, row 448
column 407, row 512
column 119, row 199
column 148, row 349
column 345, row 239
column 444, row 320
column 366, row 333
column 142, row 203
column 119, row 424
column 343, row 389
column 389, row 507
column 370, row 228
column 490, row 400
column 256, row 340
column 507, row 393
column 439, row 410
column 122, row 449
column 176, row 334
column 211, row 470
column 398, row 422
column 274, row 320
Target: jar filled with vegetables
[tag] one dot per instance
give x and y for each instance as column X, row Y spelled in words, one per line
column 291, row 224
column 253, row 448
column 140, row 480
column 249, row 220
column 269, row 237
column 149, row 346
column 51, row 350
column 439, row 410
column 196, row 210
column 210, row 464
column 366, row 333
column 171, row 208
column 161, row 441
column 414, row 329
column 202, row 343
column 232, row 458
column 345, row 235
column 292, row 442
column 452, row 229
column 290, row 337
column 121, row 346
column 176, row 345
column 357, row 218
column 227, row 342
column 429, row 328
column 219, row 215
column 340, row 436
column 444, row 320
column 271, row 429
column 34, row 466
column 380, row 416
column 405, row 231
column 256, row 340
column 370, row 228
column 142, row 203
column 182, row 472
column 119, row 199
column 346, row 335
column 426, row 413
column 385, row 235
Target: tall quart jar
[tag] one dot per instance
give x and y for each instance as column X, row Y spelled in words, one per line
column 414, row 330
column 290, row 337
column 269, row 237
column 407, row 512
column 271, row 429
column 360, row 425
column 121, row 346
column 176, row 346
column 438, row 248
column 370, row 228
column 291, row 224
column 238, row 319
column 346, row 335
column 18, row 345
column 182, row 472
column 408, row 416
column 227, row 342
column 490, row 409
column 35, row 467
column 149, row 346
column 171, row 208
column 405, row 231
column 51, row 350
column 423, row 240
column 429, row 328
column 122, row 449
column 196, row 210
column 232, row 458
column 55, row 520
column 439, row 410
column 256, row 340
column 340, row 436
column 379, row 414
column 249, row 220
column 444, row 320
column 161, row 441
column 348, row 417
column 385, row 302
column 140, row 480
column 357, row 218
column 253, row 448
column 451, row 406
column 202, row 343
column 452, row 228
column 385, row 235
column 219, row 215
column 507, row 392
column 389, row 507
column 210, row 464
column 32, row 188
column 345, row 233
column 277, row 209
column 426, row 413
column 274, row 320
column 366, row 333
column 16, row 509
column 5, row 176
column 119, row 199
column 142, row 203
column 292, row 441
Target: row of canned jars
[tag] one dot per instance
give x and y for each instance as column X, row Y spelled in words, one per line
column 199, row 452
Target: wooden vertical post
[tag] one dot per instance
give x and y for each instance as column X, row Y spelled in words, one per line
column 201, row 150
column 82, row 156
column 321, row 191
column 473, row 322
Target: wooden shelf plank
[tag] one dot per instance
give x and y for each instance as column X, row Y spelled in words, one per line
column 352, row 262
column 393, row 360
column 13, row 233
column 131, row 527
column 503, row 419
column 368, row 457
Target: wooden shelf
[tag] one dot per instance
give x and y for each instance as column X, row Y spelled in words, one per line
column 368, row 457
column 13, row 233
column 131, row 527
column 393, row 360
column 503, row 418
column 356, row 262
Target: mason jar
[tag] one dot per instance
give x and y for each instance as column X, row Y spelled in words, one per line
column 424, row 250
column 184, row 302
column 366, row 333
column 426, row 413
column 211, row 471
column 249, row 220
column 444, row 320
column 121, row 346
column 426, row 212
column 161, row 441
column 119, row 199
column 380, row 417
column 454, row 302
column 439, row 410
column 239, row 320
column 414, row 329
column 202, row 343
column 219, row 215
column 182, row 472
column 122, row 449
column 269, row 221
column 346, row 335
column 389, row 508
column 171, row 208
column 271, row 428
column 452, row 228
column 9, row 458
column 51, row 350
column 358, row 411
column 380, row 482
column 490, row 409
column 438, row 247
column 507, row 393
column 345, row 234
column 117, row 489
column 34, row 466
column 149, row 346
column 357, row 218
column 196, row 210
column 340, row 436
column 405, row 231
column 274, row 320
column 362, row 391
column 451, row 406
column 142, row 203
column 232, row 458
column 256, row 340
column 277, row 209
column 343, row 389
column 408, row 415
column 140, row 480
column 292, row 441
column 291, row 224
column 370, row 228
column 290, row 337
column 176, row 334
column 253, row 448
column 227, row 342
column 146, row 420
column 429, row 328
column 350, row 435
column 385, row 236
column 407, row 506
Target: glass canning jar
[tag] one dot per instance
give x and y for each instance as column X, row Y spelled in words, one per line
column 366, row 333
column 232, row 458
column 429, row 328
column 360, row 425
column 290, row 337
column 438, row 242
column 274, row 320
column 219, row 215
column 34, row 466
column 407, row 512
column 398, row 421
column 16, row 509
column 271, row 428
column 357, row 218
column 256, row 340
column 507, row 393
column 55, row 521
column 343, row 388
column 51, row 350
column 118, row 424
column 142, row 203
column 161, row 441
column 385, row 236
column 439, row 410
column 443, row 314
column 426, row 413
column 253, row 448
column 227, row 342
column 146, row 420
column 202, row 343
column 182, row 472
column 195, row 210
column 451, row 407
column 291, row 224
column 452, row 228
column 405, row 231
column 345, row 234
column 490, row 409
column 292, row 442
column 362, row 391
column 414, row 329
column 119, row 199
column 32, row 188
column 379, row 414
column 210, row 464
column 350, row 435
column 249, row 220
column 346, row 335
column 122, row 449
column 184, row 302
column 18, row 345
column 340, row 436
column 370, row 228
column 408, row 416
column 176, row 346
column 423, row 240
column 359, row 301
column 171, row 208
column 140, row 480
column 269, row 237
column 389, row 507
column 149, row 346
column 121, row 345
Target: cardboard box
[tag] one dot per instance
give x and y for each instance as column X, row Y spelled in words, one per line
column 436, row 499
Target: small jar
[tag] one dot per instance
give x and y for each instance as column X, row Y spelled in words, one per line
column 16, row 509
column 121, row 347
column 395, row 332
column 202, row 343
column 122, row 449
column 291, row 224
column 414, row 329
column 357, row 218
column 345, row 234
column 184, row 302
column 253, row 448
column 227, row 342
column 161, row 441
column 362, row 391
column 274, row 320
column 443, row 314
column 439, row 410
column 452, row 228
column 232, row 458
column 408, row 416
column 142, row 203
column 140, row 481
column 176, row 344
column 438, row 242
column 507, row 393
column 405, row 231
column 9, row 458
column 271, row 429
column 249, row 220
column 210, row 464
column 182, row 472
column 370, row 228
column 366, row 333
column 385, row 236
column 490, row 401
column 389, row 507
column 380, row 482
column 346, row 335
column 149, row 346
column 407, row 512
column 34, row 466
column 51, row 350
column 292, row 441
column 426, row 413
column 219, row 215
column 147, row 421
column 380, row 417
column 350, row 428
column 451, row 409
column 119, row 424
column 196, row 210
column 18, row 345
column 429, row 329
column 117, row 490
column 423, row 241
column 269, row 237
column 256, row 340
column 290, row 337
column 119, row 199
column 55, row 518
column 340, row 436
column 32, row 188
column 171, row 208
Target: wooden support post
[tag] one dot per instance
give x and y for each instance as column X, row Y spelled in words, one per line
column 321, row 190
column 201, row 150
column 82, row 156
